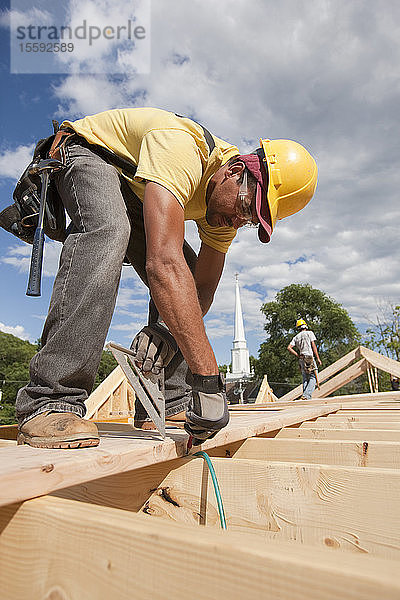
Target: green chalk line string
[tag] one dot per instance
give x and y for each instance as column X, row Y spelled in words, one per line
column 216, row 486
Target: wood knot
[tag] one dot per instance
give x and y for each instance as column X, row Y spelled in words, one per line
column 331, row 543
column 47, row 468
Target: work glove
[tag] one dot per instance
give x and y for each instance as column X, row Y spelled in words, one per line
column 207, row 412
column 154, row 348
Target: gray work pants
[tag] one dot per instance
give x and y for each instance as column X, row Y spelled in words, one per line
column 107, row 220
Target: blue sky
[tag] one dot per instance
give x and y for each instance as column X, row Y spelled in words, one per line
column 323, row 73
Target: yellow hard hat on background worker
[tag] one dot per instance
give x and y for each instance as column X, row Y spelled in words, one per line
column 286, row 176
column 301, row 323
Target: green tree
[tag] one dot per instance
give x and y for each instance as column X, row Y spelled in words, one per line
column 384, row 334
column 107, row 364
column 335, row 331
column 15, row 356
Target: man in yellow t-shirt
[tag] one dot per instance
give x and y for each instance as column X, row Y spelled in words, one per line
column 180, row 172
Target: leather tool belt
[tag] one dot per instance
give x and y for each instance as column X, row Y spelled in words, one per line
column 308, row 363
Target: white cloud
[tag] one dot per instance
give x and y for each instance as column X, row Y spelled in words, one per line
column 13, row 162
column 133, row 327
column 16, row 18
column 17, row 330
column 81, row 96
column 105, row 40
column 19, row 256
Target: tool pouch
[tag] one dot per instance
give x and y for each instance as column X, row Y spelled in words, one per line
column 21, row 217
column 308, row 363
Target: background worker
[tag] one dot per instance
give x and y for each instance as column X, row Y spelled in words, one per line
column 303, row 347
column 182, row 173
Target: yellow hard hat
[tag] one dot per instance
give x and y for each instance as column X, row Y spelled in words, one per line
column 292, row 173
column 301, row 323
column 285, row 186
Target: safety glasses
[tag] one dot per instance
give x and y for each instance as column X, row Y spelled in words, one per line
column 244, row 208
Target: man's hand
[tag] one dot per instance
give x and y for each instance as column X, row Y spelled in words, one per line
column 154, row 348
column 208, row 409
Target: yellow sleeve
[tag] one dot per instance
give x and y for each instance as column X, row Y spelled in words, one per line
column 219, row 238
column 171, row 158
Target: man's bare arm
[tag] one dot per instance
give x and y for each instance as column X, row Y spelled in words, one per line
column 172, row 285
column 314, row 347
column 209, row 267
column 292, row 351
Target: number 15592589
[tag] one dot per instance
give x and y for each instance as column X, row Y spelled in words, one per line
column 46, row 47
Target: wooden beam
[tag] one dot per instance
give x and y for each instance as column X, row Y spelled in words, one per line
column 362, row 418
column 27, row 472
column 381, row 362
column 351, row 425
column 363, row 435
column 341, row 379
column 104, row 392
column 72, row 550
column 325, row 373
column 366, row 417
column 275, row 406
column 265, row 393
column 7, row 443
column 311, row 504
column 8, row 432
column 327, row 452
column 366, row 409
column 369, row 400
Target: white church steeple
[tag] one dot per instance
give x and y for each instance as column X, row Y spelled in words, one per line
column 239, row 351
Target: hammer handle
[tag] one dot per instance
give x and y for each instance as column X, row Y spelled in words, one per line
column 35, row 273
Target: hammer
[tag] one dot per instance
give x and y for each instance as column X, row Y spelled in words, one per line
column 44, row 168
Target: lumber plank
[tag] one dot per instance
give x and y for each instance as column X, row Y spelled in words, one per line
column 265, row 393
column 369, row 399
column 376, row 412
column 362, row 418
column 328, row 452
column 7, row 443
column 381, row 362
column 125, row 491
column 346, row 401
column 105, row 390
column 8, row 432
column 118, row 555
column 363, row 435
column 341, row 379
column 385, row 425
column 318, row 505
column 27, row 472
column 277, row 406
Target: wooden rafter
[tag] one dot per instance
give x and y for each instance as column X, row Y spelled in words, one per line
column 113, row 398
column 75, row 550
column 20, row 466
column 335, row 378
column 311, row 506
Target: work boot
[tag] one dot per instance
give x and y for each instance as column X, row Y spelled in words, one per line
column 58, row 430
